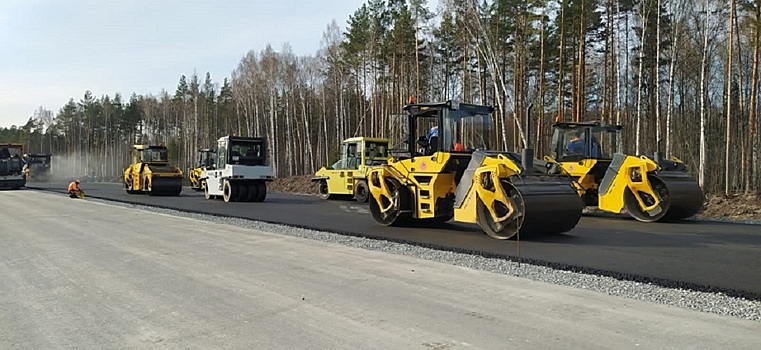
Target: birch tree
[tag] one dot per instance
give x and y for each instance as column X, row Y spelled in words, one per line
column 703, row 71
column 727, row 159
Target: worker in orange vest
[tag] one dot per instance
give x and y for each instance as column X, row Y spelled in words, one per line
column 74, row 190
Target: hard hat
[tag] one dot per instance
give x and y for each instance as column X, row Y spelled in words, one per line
column 77, row 180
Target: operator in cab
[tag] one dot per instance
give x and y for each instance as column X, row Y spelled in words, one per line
column 432, row 138
column 578, row 145
column 74, row 190
column 434, row 132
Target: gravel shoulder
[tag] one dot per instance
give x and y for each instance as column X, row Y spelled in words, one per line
column 91, row 274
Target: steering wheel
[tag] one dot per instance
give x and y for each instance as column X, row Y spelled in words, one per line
column 422, row 142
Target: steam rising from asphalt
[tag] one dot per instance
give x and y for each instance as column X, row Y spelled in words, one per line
column 87, row 167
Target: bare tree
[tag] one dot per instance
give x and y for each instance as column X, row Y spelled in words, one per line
column 643, row 14
column 561, row 106
column 703, row 70
column 727, row 159
column 658, row 76
column 676, row 9
column 752, row 144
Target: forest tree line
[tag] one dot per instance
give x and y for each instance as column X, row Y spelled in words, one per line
column 680, row 75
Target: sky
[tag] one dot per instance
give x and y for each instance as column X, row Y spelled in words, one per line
column 51, row 51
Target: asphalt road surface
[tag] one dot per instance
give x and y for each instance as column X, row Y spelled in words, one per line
column 704, row 256
column 86, row 275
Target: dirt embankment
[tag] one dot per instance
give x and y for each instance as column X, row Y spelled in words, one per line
column 294, row 184
column 734, row 207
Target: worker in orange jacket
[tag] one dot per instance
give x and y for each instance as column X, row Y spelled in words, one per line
column 74, row 190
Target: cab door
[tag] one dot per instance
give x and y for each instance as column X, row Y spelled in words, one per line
column 352, row 161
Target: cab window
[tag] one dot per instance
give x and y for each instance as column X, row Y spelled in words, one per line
column 222, row 155
column 352, row 157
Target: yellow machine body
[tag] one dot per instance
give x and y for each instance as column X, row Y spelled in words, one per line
column 491, row 171
column 151, row 172
column 648, row 189
column 452, row 176
column 205, row 162
column 194, row 176
column 425, row 177
column 347, row 177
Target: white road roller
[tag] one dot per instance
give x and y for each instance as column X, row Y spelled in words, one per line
column 241, row 171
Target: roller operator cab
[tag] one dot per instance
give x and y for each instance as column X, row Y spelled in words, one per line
column 241, row 172
column 449, row 171
column 205, row 161
column 13, row 167
column 348, row 175
column 647, row 188
column 39, row 166
column 151, row 172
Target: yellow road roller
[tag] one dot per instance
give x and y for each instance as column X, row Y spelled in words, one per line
column 451, row 172
column 647, row 188
column 38, row 165
column 347, row 175
column 205, row 158
column 151, row 172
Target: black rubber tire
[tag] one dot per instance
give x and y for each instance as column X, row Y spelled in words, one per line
column 322, row 189
column 261, row 189
column 229, row 192
column 206, row 193
column 253, row 192
column 242, row 189
column 396, row 217
column 361, row 191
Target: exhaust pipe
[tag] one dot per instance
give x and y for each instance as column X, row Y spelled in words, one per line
column 527, row 154
column 658, row 155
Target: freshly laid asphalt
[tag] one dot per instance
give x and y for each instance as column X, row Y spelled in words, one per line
column 697, row 255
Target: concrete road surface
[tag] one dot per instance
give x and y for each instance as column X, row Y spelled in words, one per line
column 85, row 275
